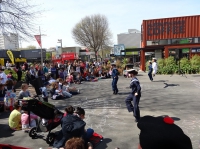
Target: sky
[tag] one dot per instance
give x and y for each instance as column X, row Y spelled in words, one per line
column 60, row 16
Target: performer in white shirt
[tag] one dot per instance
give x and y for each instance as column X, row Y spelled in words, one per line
column 154, row 66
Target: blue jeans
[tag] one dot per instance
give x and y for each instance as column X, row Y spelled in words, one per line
column 150, row 75
column 114, row 84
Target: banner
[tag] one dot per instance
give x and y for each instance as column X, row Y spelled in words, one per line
column 118, row 48
column 10, row 55
column 38, row 38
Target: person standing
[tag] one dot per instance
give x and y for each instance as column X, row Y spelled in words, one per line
column 115, row 79
column 134, row 96
column 154, row 66
column 3, row 77
column 150, row 71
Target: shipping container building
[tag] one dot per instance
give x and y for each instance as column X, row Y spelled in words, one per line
column 163, row 36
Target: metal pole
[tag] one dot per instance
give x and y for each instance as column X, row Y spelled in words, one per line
column 61, row 45
column 41, row 47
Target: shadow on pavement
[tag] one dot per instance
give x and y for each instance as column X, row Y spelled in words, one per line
column 195, row 75
column 104, row 143
column 6, row 131
column 161, row 81
column 167, row 85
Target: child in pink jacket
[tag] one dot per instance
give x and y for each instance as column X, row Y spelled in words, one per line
column 25, row 120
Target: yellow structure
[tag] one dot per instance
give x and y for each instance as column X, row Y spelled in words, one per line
column 10, row 55
column 2, row 61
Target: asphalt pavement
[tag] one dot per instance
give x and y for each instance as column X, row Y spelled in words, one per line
column 175, row 96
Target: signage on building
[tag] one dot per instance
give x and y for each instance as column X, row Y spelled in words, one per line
column 118, row 48
column 159, row 28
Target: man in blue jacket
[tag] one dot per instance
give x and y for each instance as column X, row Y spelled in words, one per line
column 115, row 74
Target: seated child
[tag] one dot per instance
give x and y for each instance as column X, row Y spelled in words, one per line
column 69, row 110
column 91, row 78
column 65, row 93
column 24, row 93
column 10, row 95
column 25, row 119
column 2, row 96
column 55, row 92
column 70, row 78
column 15, row 117
column 71, row 90
column 44, row 91
column 78, row 78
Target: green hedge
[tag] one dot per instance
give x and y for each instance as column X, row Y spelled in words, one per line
column 170, row 66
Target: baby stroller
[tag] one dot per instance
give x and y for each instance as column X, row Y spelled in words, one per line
column 45, row 111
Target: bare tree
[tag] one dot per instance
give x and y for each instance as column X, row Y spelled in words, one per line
column 16, row 16
column 92, row 32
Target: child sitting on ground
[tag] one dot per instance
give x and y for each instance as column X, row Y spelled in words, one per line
column 10, row 95
column 15, row 117
column 71, row 90
column 55, row 92
column 24, row 93
column 69, row 110
column 91, row 78
column 70, row 78
column 44, row 91
column 25, row 119
column 65, row 93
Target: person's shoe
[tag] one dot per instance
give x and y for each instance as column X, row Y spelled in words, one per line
column 114, row 93
column 136, row 120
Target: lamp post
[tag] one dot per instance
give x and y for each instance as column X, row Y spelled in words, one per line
column 60, row 41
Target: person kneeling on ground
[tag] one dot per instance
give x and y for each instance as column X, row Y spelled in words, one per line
column 73, row 126
column 161, row 133
column 15, row 117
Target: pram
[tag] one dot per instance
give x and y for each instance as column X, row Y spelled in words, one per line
column 45, row 111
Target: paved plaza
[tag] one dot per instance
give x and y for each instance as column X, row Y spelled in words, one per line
column 106, row 113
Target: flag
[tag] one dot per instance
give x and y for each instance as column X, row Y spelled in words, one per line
column 38, row 38
column 10, row 55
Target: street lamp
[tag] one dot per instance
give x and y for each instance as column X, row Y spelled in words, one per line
column 60, row 41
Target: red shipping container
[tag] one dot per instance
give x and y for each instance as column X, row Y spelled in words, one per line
column 171, row 28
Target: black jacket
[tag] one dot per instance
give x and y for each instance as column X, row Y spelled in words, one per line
column 72, row 126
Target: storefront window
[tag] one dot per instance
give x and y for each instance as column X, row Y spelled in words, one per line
column 173, row 41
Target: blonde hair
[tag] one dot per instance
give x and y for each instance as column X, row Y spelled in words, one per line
column 23, row 86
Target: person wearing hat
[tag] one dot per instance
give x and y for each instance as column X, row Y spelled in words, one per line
column 150, row 71
column 161, row 133
column 115, row 78
column 134, row 96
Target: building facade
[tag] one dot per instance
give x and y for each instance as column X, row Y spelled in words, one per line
column 165, row 36
column 9, row 41
column 132, row 39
